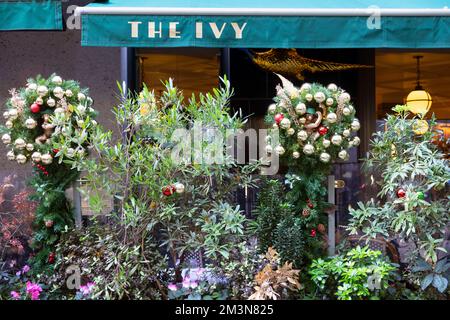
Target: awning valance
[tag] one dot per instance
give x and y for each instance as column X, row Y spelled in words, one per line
column 264, row 23
column 31, row 15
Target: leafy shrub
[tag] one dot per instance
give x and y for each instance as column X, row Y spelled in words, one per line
column 179, row 203
column 119, row 269
column 16, row 220
column 281, row 224
column 289, row 240
column 413, row 201
column 358, row 274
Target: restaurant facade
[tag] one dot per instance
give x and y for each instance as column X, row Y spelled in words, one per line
column 379, row 51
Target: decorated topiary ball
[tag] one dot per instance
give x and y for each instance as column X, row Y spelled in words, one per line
column 316, row 124
column 44, row 113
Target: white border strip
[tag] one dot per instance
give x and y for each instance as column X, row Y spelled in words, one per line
column 169, row 11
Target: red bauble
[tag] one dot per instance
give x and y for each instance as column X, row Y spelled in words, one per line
column 401, row 193
column 49, row 223
column 168, row 191
column 313, row 233
column 51, row 257
column 323, row 131
column 55, row 151
column 305, row 213
column 278, row 118
column 35, row 108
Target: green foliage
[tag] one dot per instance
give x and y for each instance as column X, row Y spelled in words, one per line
column 120, row 269
column 360, row 273
column 270, row 210
column 140, row 168
column 223, row 227
column 408, row 160
column 52, row 206
column 289, row 240
column 281, row 224
column 240, row 269
column 431, row 275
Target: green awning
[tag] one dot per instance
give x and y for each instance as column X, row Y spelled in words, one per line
column 31, row 15
column 264, row 23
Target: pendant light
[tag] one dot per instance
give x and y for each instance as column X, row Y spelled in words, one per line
column 419, row 101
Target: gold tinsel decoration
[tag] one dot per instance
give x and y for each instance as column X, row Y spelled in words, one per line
column 289, row 63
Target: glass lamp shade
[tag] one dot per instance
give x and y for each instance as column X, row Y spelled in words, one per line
column 419, row 101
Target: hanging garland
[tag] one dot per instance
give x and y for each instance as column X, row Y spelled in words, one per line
column 38, row 118
column 314, row 126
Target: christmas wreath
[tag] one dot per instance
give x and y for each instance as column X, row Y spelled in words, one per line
column 39, row 117
column 43, row 113
column 314, row 123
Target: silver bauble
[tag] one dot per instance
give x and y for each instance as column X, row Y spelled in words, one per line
column 272, row 108
column 11, row 156
column 319, row 97
column 285, row 123
column 57, row 80
column 305, row 87
column 46, row 158
column 279, row 150
column 325, row 157
column 343, row 154
column 308, row 149
column 21, row 159
column 302, row 135
column 42, row 91
column 332, row 87
column 51, row 102
column 346, row 133
column 6, row 138
column 300, row 108
column 331, row 117
column 336, row 140
column 355, row 125
column 30, row 123
column 20, row 144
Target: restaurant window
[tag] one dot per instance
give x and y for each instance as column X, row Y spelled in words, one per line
column 194, row 70
column 396, row 75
